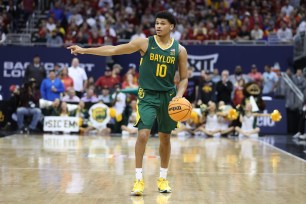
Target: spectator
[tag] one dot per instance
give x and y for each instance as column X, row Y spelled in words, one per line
column 224, row 88
column 129, row 83
column 238, row 74
column 215, row 76
column 54, row 40
column 105, row 96
column 119, row 100
column 284, row 34
column 255, row 75
column 192, row 87
column 269, row 81
column 28, row 106
column 66, row 79
column 244, row 33
column 28, row 7
column 107, row 80
column 70, row 97
column 35, row 70
column 238, row 92
column 50, row 25
column 51, row 87
column 78, row 76
column 58, row 70
column 207, row 89
column 117, row 68
column 287, row 8
column 138, row 34
column 2, row 37
column 129, row 128
column 257, row 33
column 90, row 96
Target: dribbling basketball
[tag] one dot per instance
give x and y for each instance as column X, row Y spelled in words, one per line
column 179, row 110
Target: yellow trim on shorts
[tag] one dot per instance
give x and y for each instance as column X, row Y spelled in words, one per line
column 137, row 114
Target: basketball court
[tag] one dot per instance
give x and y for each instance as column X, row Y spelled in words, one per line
column 100, row 169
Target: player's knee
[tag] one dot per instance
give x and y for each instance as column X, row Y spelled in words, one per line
column 142, row 137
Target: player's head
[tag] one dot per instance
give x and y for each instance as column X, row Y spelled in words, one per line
column 164, row 22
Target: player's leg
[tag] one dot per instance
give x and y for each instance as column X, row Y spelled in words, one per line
column 146, row 114
column 164, row 152
column 165, row 126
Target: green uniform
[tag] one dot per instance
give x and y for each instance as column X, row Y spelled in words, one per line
column 156, row 86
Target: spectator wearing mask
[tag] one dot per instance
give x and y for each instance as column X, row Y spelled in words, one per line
column 35, row 70
column 51, row 87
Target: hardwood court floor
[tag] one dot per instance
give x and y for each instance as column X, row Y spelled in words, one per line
column 71, row 169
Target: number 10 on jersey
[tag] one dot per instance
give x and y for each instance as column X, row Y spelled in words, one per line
column 161, row 70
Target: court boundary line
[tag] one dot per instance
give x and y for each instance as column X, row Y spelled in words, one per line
column 279, row 149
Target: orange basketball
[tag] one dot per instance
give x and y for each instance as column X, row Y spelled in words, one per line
column 179, row 110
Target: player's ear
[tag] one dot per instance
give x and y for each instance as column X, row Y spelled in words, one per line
column 171, row 27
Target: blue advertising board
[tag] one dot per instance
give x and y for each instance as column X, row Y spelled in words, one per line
column 14, row 60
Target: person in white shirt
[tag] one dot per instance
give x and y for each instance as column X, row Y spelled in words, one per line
column 71, row 97
column 79, row 77
column 287, row 8
column 176, row 34
column 138, row 34
column 284, row 34
column 256, row 33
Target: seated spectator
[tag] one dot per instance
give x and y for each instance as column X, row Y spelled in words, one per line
column 244, row 33
column 129, row 128
column 284, row 34
column 105, row 96
column 2, row 37
column 139, row 33
column 257, row 33
column 211, row 126
column 54, row 40
column 90, row 96
column 51, row 87
column 70, row 96
column 28, row 106
column 64, row 110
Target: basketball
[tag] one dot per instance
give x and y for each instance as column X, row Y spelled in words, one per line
column 179, row 110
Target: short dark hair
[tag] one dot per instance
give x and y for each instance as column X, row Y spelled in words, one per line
column 166, row 15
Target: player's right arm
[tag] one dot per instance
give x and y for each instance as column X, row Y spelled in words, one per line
column 139, row 44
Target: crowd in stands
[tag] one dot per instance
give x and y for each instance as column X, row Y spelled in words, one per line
column 71, row 85
column 107, row 21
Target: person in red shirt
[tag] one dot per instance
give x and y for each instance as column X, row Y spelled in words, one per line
column 66, row 79
column 255, row 75
column 107, row 80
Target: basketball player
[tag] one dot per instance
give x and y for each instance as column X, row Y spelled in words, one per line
column 161, row 55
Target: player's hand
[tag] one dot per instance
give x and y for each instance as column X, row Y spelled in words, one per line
column 176, row 98
column 75, row 49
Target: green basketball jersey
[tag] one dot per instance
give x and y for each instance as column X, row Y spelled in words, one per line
column 158, row 66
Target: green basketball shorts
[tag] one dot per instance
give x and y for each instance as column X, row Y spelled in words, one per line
column 154, row 104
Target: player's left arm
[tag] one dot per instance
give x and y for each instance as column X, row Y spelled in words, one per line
column 182, row 66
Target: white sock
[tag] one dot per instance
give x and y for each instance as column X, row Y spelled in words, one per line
column 138, row 173
column 163, row 173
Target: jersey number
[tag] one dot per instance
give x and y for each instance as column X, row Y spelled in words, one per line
column 161, row 70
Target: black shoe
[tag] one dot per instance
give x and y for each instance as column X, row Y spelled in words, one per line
column 34, row 131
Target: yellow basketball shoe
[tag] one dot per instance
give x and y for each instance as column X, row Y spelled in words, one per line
column 138, row 187
column 163, row 185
